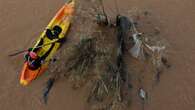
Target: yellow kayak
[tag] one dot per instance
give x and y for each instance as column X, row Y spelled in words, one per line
column 60, row 24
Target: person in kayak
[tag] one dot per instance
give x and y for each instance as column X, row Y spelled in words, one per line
column 54, row 33
column 34, row 61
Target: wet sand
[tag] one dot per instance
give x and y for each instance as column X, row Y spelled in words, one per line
column 22, row 21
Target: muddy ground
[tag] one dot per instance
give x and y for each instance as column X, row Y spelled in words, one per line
column 22, row 21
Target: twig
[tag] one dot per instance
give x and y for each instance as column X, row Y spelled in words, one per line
column 105, row 87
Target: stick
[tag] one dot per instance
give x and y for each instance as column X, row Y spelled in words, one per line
column 105, row 87
column 118, row 87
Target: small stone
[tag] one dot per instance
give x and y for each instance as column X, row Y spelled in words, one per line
column 156, row 31
column 142, row 94
column 146, row 13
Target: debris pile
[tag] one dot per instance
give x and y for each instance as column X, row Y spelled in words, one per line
column 94, row 61
column 83, row 59
column 109, row 90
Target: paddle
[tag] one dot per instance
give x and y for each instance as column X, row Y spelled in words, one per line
column 22, row 51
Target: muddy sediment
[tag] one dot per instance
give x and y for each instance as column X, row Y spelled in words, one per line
column 168, row 20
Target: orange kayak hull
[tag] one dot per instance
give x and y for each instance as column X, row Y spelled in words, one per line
column 28, row 75
column 63, row 20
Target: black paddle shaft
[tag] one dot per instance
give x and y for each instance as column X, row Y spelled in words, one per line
column 22, row 51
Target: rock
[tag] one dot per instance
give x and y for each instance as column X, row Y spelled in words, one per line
column 142, row 94
column 156, row 30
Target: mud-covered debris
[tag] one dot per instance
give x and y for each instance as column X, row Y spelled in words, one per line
column 82, row 59
column 165, row 62
column 102, row 20
column 157, row 54
column 110, row 87
column 156, row 31
column 48, row 88
column 83, row 56
column 146, row 13
column 155, row 48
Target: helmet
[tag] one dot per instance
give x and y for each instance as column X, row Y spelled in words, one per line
column 33, row 55
column 57, row 30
